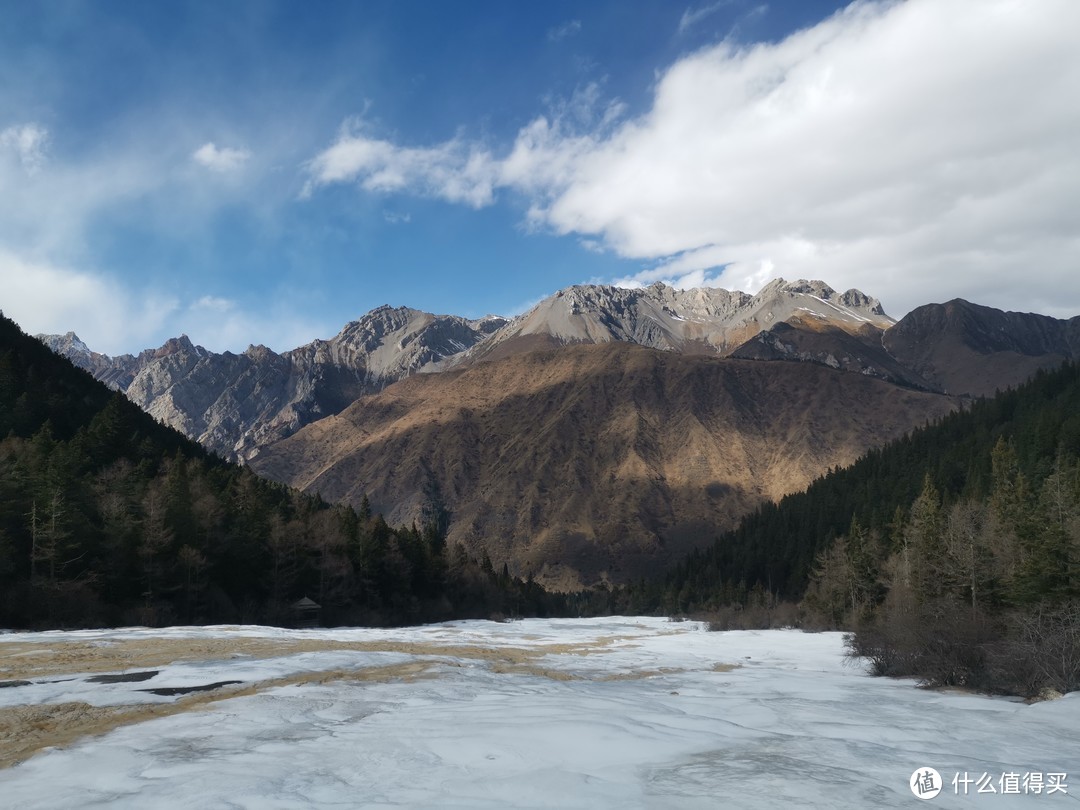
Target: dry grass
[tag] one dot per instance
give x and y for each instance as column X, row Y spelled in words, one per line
column 725, row 667
column 25, row 730
column 23, row 660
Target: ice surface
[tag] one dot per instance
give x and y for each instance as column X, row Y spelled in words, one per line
column 623, row 712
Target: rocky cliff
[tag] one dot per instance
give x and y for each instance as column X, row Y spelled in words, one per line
column 236, row 403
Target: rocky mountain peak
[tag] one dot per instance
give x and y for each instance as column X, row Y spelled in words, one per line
column 860, row 300
column 67, row 344
column 368, row 332
column 176, row 345
column 258, row 353
column 488, row 324
column 702, row 319
column 802, row 286
column 855, row 299
column 236, row 403
column 965, row 348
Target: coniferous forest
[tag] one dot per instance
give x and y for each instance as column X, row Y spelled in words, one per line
column 953, row 554
column 108, row 517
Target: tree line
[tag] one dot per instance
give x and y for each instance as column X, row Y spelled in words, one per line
column 952, row 553
column 108, row 517
column 980, row 591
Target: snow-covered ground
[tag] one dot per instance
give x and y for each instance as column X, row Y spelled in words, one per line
column 617, row 712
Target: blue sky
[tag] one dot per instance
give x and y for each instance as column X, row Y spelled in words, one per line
column 264, row 172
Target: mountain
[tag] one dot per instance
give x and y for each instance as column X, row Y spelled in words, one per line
column 235, row 403
column 860, row 350
column 599, row 434
column 595, row 463
column 963, row 348
column 704, row 320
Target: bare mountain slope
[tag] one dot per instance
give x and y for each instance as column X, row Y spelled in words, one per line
column 808, row 340
column 595, row 462
column 967, row 349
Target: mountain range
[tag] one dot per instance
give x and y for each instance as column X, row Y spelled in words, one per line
column 603, row 432
column 235, row 403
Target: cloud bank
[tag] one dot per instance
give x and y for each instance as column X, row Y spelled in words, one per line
column 46, row 298
column 918, row 150
column 114, row 317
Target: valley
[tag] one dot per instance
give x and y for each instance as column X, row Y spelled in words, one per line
column 610, row 404
column 604, row 433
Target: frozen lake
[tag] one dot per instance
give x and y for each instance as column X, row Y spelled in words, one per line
column 615, row 712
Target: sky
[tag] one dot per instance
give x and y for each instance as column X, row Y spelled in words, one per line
column 264, row 172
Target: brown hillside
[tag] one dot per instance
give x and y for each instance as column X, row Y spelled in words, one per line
column 595, row 462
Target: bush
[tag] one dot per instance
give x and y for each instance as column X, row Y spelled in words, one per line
column 942, row 644
column 1041, row 650
column 756, row 617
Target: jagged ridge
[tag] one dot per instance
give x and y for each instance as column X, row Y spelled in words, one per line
column 236, row 403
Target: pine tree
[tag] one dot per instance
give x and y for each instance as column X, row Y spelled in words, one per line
column 969, row 564
column 924, row 548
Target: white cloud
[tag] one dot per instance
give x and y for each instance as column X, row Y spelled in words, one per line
column 915, row 149
column 454, row 171
column 565, row 30
column 113, row 317
column 45, row 298
column 918, row 150
column 214, row 304
column 54, row 208
column 27, row 142
column 225, row 159
column 222, row 324
column 540, row 162
column 692, row 16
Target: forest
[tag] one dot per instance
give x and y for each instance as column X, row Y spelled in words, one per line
column 108, row 518
column 952, row 555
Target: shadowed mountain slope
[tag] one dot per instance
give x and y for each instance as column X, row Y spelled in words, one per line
column 595, row 462
column 966, row 349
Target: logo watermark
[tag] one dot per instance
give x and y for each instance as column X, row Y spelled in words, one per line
column 926, row 783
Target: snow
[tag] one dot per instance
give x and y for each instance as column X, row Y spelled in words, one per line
column 616, row 712
column 843, row 310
